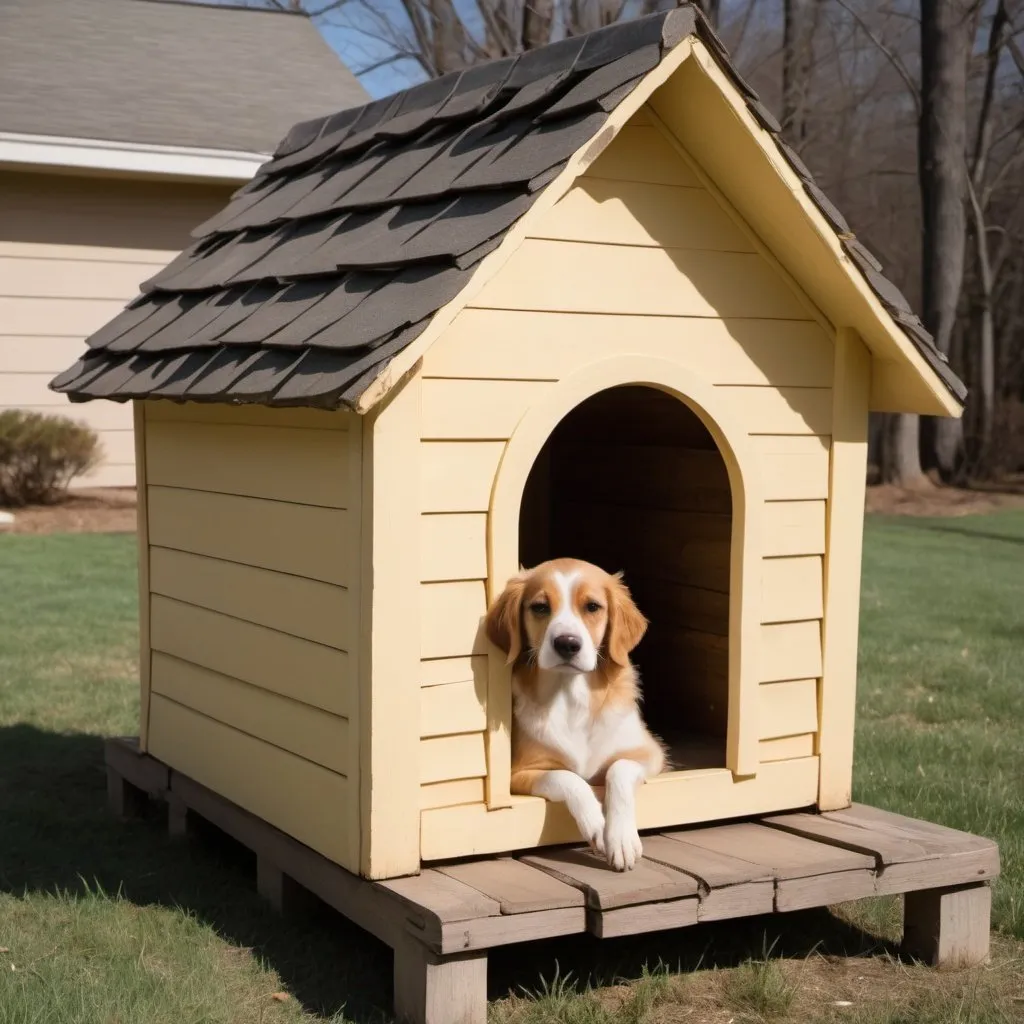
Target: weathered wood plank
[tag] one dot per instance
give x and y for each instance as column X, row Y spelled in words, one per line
column 645, row 917
column 606, row 888
column 517, row 887
column 434, row 990
column 948, row 927
column 432, row 899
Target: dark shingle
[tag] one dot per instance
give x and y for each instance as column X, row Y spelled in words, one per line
column 366, row 223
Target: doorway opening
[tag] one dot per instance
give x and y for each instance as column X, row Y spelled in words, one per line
column 632, row 480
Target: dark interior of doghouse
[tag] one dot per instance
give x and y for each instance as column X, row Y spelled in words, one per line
column 633, row 481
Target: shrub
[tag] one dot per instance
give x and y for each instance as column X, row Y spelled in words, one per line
column 40, row 455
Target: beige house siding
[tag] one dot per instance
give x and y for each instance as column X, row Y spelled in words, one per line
column 73, row 251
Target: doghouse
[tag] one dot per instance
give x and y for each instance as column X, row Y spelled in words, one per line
column 581, row 302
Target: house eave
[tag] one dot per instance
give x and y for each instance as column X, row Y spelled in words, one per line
column 21, row 151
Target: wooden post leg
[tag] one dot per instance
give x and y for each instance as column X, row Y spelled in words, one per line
column 124, row 799
column 177, row 817
column 948, row 927
column 433, row 989
column 281, row 891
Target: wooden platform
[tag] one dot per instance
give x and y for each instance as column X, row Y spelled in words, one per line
column 441, row 922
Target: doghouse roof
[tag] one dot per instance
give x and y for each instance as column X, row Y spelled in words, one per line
column 337, row 256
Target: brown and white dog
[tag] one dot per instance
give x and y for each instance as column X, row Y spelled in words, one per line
column 568, row 628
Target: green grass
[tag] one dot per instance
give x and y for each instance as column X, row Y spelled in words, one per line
column 102, row 921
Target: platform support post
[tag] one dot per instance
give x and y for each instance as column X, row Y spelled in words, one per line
column 177, row 817
column 123, row 799
column 433, row 989
column 281, row 891
column 948, row 927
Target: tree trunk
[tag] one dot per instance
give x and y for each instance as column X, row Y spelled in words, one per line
column 942, row 132
column 538, row 20
column 901, row 451
column 800, row 21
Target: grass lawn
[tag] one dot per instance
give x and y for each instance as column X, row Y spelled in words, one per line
column 110, row 922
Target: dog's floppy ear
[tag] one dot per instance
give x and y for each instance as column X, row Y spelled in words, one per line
column 504, row 618
column 626, row 625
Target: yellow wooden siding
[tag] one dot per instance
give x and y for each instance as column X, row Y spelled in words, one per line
column 790, row 650
column 306, row 608
column 787, row 708
column 312, row 673
column 793, row 527
column 305, row 540
column 309, row 732
column 453, row 708
column 254, row 610
column 225, row 760
column 791, row 588
column 456, row 476
column 451, row 619
column 540, row 345
column 477, row 409
column 641, row 153
column 73, row 251
column 310, row 467
column 451, row 794
column 786, row 748
column 438, row 671
column 444, row 758
column 453, row 547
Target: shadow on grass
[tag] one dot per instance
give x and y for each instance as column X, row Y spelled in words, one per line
column 57, row 834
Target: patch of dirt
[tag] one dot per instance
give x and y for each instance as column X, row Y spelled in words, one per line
column 929, row 500
column 103, row 510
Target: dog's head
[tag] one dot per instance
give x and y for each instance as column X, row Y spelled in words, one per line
column 564, row 615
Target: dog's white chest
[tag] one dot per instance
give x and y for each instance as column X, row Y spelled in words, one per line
column 564, row 724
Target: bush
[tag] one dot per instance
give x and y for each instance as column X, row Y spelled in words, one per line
column 40, row 455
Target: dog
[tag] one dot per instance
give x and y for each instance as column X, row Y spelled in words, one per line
column 567, row 627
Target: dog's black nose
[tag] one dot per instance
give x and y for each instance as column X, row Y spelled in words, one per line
column 568, row 645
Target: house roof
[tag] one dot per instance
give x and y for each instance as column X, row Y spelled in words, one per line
column 365, row 224
column 164, row 72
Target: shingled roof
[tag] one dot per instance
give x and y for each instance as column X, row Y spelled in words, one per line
column 364, row 224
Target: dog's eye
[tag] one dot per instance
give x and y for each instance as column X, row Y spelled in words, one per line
column 592, row 606
column 540, row 608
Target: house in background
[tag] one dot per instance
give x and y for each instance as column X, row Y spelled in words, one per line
column 123, row 124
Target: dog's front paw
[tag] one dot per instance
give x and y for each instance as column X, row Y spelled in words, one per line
column 622, row 846
column 592, row 827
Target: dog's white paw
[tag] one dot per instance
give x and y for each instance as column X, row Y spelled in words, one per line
column 622, row 846
column 592, row 827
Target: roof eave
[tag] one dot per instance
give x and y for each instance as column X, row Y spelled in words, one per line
column 58, row 154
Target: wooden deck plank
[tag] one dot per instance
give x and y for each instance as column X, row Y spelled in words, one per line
column 517, row 887
column 506, row 929
column 607, row 889
column 644, row 917
column 436, row 896
column 786, row 856
column 140, row 770
column 936, row 838
column 885, row 848
column 729, row 887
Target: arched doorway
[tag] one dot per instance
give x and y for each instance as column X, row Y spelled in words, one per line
column 632, row 480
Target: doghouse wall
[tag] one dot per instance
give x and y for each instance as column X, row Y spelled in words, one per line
column 638, row 257
column 249, row 563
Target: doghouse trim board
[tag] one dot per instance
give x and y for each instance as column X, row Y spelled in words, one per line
column 441, row 923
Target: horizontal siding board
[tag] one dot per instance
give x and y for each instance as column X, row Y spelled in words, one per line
column 793, row 528
column 453, row 708
column 222, row 759
column 479, row 410
column 247, row 415
column 785, row 748
column 438, row 671
column 457, row 476
column 321, row 612
column 305, row 540
column 791, row 588
column 581, row 277
column 309, row 732
column 70, row 278
column 21, row 354
column 58, row 252
column 443, row 758
column 787, row 708
column 453, row 547
column 792, row 468
column 100, row 416
column 451, row 794
column 775, row 410
column 48, row 317
column 541, row 345
column 307, row 467
column 641, row 153
column 789, row 650
column 639, row 213
column 287, row 665
column 451, row 619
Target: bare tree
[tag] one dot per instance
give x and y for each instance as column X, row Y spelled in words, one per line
column 800, row 19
